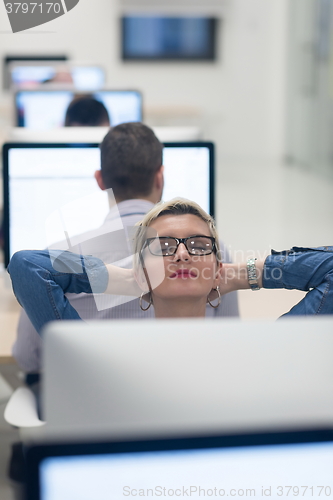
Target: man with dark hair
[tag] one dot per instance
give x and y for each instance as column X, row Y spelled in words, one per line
column 131, row 165
column 85, row 111
column 131, row 162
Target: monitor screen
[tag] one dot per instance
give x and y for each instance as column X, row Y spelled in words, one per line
column 184, row 468
column 46, row 109
column 9, row 60
column 40, row 178
column 173, row 38
column 83, row 77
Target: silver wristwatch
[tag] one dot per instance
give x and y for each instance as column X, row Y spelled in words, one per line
column 252, row 274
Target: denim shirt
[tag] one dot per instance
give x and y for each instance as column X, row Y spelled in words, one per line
column 303, row 269
column 40, row 286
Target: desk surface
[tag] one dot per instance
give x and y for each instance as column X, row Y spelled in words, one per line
column 9, row 314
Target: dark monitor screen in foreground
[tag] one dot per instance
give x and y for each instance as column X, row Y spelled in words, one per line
column 39, row 179
column 281, row 465
column 46, row 109
column 168, row 38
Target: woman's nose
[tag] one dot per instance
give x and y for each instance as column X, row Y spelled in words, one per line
column 182, row 253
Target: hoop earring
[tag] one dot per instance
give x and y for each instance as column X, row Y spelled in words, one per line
column 150, row 302
column 219, row 298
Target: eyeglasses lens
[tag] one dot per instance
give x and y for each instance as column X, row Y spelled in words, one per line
column 198, row 245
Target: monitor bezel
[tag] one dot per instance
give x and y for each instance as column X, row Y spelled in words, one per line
column 33, row 145
column 37, row 453
column 70, row 90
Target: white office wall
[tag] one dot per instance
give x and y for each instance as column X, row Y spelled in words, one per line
column 239, row 100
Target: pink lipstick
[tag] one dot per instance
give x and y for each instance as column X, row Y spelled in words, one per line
column 183, row 273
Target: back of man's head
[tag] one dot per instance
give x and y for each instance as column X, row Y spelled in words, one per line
column 85, row 111
column 131, row 155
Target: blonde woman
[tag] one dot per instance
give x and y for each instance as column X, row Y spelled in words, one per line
column 177, row 268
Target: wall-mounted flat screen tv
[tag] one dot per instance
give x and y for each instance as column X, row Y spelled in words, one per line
column 168, row 38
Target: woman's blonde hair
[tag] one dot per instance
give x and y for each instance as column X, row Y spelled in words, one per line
column 176, row 206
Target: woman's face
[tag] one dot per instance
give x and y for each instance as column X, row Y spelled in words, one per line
column 185, row 275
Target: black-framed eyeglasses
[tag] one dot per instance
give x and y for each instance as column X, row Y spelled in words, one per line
column 166, row 246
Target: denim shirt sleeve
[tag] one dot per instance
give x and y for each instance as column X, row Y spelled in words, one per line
column 40, row 282
column 307, row 269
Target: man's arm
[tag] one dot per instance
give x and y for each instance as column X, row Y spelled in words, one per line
column 27, row 347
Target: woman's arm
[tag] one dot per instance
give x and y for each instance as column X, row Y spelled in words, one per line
column 122, row 282
column 40, row 287
column 234, row 277
column 41, row 278
column 307, row 269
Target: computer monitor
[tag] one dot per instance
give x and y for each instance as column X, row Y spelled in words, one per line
column 274, row 465
column 83, row 76
column 24, row 58
column 46, row 109
column 189, row 376
column 160, row 37
column 41, row 178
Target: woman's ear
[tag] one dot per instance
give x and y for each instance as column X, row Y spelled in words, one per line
column 159, row 178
